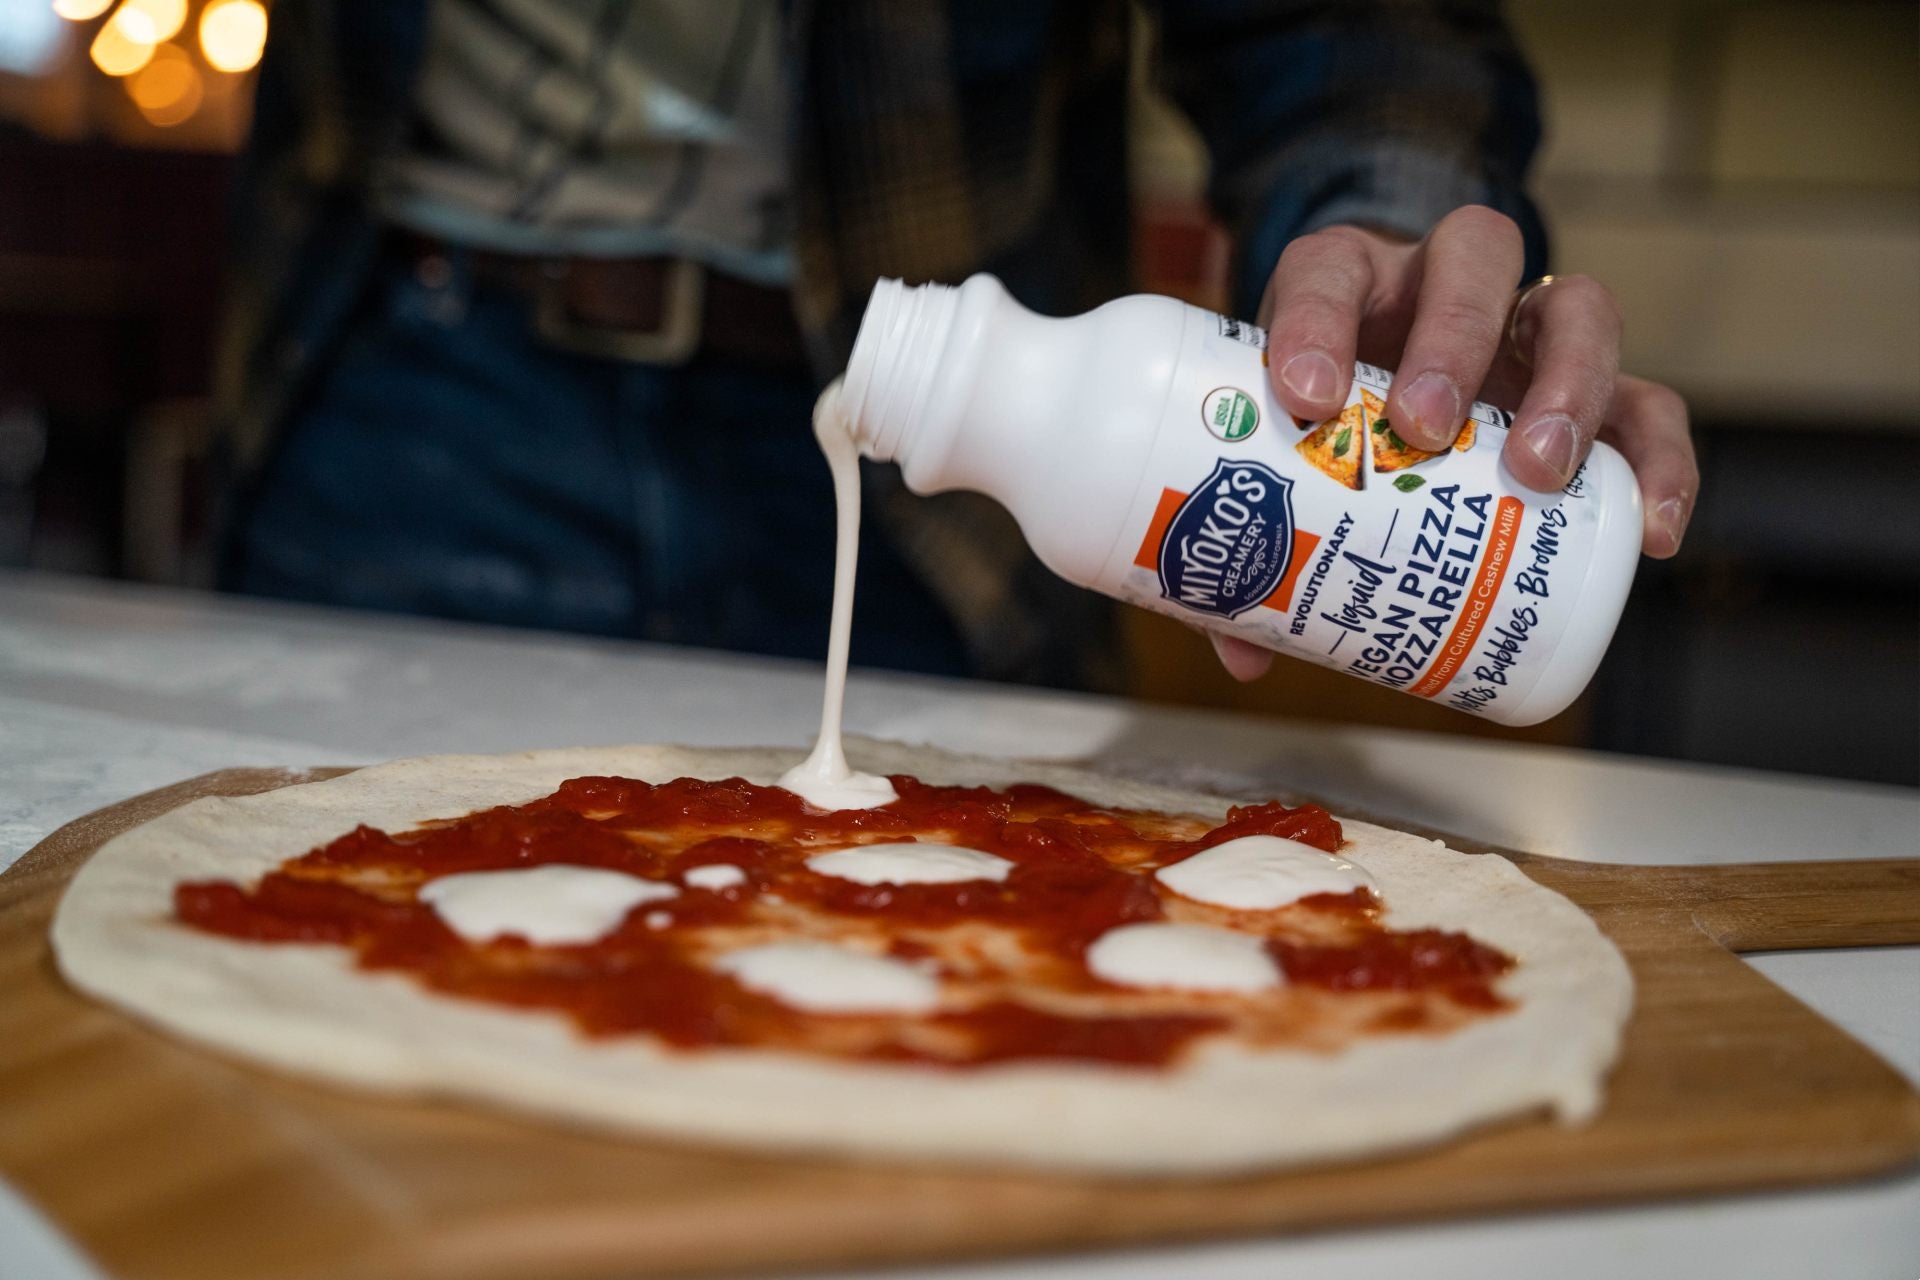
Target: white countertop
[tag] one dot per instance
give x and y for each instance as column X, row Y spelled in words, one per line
column 107, row 690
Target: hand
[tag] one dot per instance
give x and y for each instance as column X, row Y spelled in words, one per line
column 1436, row 312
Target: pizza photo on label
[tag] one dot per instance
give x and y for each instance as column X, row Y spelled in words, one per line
column 1334, row 447
column 1390, row 453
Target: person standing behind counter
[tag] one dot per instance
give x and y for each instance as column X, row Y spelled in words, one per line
column 533, row 296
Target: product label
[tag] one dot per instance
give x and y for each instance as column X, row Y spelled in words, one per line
column 1339, row 542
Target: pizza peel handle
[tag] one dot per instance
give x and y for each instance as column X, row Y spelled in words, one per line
column 1758, row 906
column 167, row 1162
column 1796, row 906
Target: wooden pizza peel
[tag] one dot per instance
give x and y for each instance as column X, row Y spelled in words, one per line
column 170, row 1162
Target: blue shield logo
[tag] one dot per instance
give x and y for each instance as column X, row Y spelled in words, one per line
column 1228, row 545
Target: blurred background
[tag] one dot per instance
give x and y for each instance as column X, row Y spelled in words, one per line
column 1745, row 176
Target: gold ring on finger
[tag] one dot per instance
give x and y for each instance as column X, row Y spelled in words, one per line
column 1520, row 297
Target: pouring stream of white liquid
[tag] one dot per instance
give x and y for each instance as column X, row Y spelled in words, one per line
column 823, row 779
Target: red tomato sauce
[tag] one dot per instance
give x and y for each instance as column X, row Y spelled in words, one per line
column 1078, row 871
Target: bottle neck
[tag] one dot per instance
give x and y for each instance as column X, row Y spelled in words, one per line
column 886, row 390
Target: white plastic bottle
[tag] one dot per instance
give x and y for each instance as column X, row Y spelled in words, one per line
column 1144, row 456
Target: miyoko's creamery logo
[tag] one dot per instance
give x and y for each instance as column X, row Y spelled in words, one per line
column 1230, row 413
column 1229, row 545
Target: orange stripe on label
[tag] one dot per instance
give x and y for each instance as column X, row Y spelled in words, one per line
column 1148, row 556
column 1479, row 603
column 1303, row 545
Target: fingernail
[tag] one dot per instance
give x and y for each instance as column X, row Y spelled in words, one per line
column 1554, row 440
column 1432, row 405
column 1670, row 517
column 1312, row 376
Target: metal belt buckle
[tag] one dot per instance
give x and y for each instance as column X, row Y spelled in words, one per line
column 683, row 312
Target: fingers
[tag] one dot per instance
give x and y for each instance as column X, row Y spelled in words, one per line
column 1575, row 327
column 1243, row 661
column 1470, row 266
column 1316, row 296
column 1648, row 424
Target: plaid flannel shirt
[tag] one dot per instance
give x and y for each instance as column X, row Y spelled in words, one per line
column 931, row 139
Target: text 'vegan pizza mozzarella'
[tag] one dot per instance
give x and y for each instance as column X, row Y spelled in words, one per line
column 823, row 978
column 1259, row 873
column 1185, row 957
column 553, row 905
column 910, row 863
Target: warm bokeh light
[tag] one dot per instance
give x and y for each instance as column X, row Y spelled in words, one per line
column 168, row 89
column 232, row 33
column 152, row 21
column 117, row 52
column 81, row 10
column 136, row 26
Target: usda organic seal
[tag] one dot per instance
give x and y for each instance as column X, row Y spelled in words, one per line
column 1230, row 413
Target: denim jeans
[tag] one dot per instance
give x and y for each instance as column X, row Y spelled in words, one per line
column 448, row 463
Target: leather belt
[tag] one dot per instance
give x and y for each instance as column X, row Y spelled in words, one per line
column 653, row 310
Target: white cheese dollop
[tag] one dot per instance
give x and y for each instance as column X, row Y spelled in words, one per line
column 831, row 791
column 1186, row 957
column 823, row 978
column 910, row 863
column 714, row 875
column 1258, row 873
column 556, row 904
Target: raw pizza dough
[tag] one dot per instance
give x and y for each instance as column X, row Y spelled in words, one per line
column 308, row 1010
